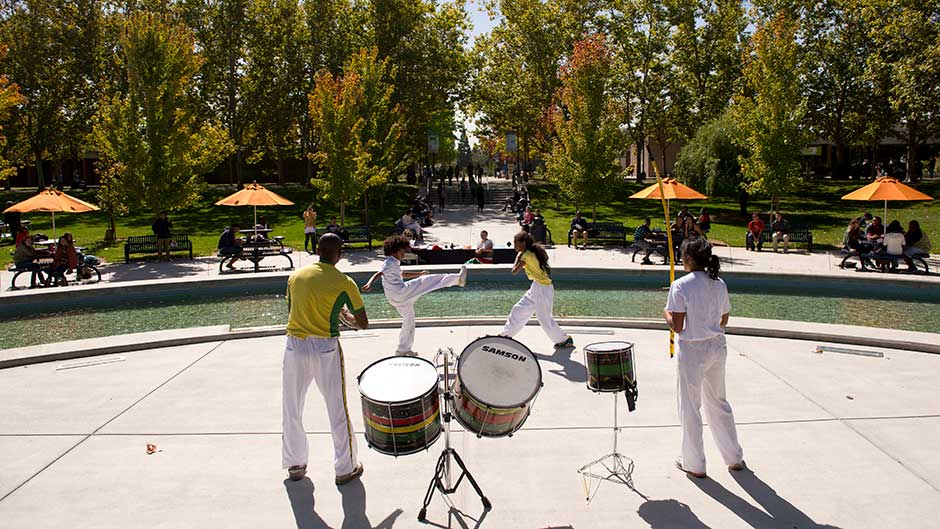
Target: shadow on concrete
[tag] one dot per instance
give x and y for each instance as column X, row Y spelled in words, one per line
column 144, row 270
column 570, row 369
column 669, row 514
column 300, row 494
column 461, row 519
column 779, row 512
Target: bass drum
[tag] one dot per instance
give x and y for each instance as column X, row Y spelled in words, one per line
column 497, row 382
column 400, row 405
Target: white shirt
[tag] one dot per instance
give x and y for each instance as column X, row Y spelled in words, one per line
column 703, row 300
column 391, row 274
column 894, row 243
column 485, row 244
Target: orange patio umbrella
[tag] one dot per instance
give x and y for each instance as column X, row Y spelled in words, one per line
column 254, row 194
column 665, row 190
column 886, row 188
column 671, row 189
column 52, row 200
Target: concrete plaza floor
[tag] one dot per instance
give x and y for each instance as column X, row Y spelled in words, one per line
column 832, row 440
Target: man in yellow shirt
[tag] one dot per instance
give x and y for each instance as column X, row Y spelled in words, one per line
column 316, row 297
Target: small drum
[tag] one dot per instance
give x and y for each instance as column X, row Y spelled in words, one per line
column 400, row 405
column 610, row 368
column 498, row 379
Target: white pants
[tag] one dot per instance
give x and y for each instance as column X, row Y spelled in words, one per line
column 777, row 237
column 404, row 298
column 538, row 299
column 701, row 376
column 319, row 359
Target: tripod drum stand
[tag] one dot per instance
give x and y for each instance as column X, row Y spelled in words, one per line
column 442, row 471
column 610, row 367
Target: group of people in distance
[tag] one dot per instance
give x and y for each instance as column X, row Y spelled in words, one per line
column 866, row 235
column 64, row 260
column 779, row 232
column 685, row 227
column 320, row 297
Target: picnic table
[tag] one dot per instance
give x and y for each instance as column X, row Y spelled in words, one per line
column 255, row 250
column 5, row 229
column 873, row 253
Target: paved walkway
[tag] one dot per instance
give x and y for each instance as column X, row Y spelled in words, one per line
column 461, row 226
column 833, row 441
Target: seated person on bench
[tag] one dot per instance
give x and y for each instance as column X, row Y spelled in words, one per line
column 579, row 227
column 484, row 252
column 916, row 241
column 65, row 258
column 643, row 238
column 894, row 244
column 230, row 244
column 25, row 255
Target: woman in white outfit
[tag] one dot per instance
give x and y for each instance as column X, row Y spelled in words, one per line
column 540, row 298
column 697, row 310
column 403, row 294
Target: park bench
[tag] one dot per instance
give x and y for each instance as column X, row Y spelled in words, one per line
column 147, row 244
column 605, row 232
column 255, row 253
column 799, row 233
column 357, row 235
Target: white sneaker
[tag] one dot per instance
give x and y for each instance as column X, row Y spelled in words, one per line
column 462, row 279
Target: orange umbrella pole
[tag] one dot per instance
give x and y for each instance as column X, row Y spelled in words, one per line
column 672, row 257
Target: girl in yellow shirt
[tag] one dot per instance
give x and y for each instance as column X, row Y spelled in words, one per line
column 540, row 297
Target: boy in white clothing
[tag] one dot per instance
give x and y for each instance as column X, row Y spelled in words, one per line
column 403, row 294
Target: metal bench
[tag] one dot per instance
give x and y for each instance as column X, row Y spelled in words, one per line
column 605, row 232
column 358, row 235
column 799, row 233
column 147, row 244
column 256, row 253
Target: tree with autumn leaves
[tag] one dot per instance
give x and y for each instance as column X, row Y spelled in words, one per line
column 586, row 125
column 356, row 129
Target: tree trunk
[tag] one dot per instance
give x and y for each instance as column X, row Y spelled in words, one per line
column 309, row 172
column 594, row 212
column 40, row 174
column 639, row 161
column 911, row 161
column 365, row 206
column 742, row 201
column 111, row 234
column 231, row 168
column 280, row 169
column 239, row 170
column 342, row 212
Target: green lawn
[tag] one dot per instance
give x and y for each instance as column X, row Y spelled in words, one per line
column 205, row 221
column 817, row 204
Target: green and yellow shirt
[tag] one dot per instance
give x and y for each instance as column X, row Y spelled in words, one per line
column 315, row 296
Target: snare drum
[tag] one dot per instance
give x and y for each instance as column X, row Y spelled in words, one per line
column 400, row 405
column 498, row 379
column 609, row 366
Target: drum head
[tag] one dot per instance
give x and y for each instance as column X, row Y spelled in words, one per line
column 499, row 372
column 608, row 347
column 397, row 379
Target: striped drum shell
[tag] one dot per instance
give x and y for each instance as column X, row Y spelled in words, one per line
column 400, row 405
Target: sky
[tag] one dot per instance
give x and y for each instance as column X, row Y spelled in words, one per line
column 478, row 17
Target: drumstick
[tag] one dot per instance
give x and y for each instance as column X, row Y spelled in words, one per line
column 672, row 256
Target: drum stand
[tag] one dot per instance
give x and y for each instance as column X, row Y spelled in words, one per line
column 442, row 478
column 615, row 466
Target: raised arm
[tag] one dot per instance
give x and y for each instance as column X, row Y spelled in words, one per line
column 368, row 286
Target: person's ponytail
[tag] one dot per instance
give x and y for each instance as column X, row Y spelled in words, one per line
column 713, row 267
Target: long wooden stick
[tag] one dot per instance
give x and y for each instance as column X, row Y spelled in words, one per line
column 672, row 257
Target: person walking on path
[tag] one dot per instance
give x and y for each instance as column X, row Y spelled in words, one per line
column 403, row 294
column 317, row 295
column 540, row 298
column 161, row 228
column 697, row 311
column 481, row 197
column 310, row 230
column 441, row 194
